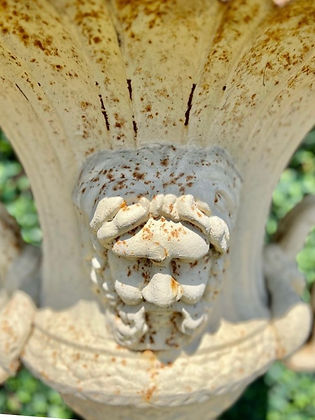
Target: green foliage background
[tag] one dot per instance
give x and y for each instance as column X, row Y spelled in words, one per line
column 280, row 394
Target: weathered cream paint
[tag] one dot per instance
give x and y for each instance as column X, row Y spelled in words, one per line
column 18, row 268
column 80, row 78
column 291, row 236
column 160, row 244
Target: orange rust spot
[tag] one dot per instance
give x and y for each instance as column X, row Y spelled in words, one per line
column 138, row 175
column 124, row 206
column 153, row 374
column 175, row 233
column 37, row 43
column 44, row 374
column 89, row 151
column 76, row 356
column 174, row 286
column 84, row 104
column 149, row 393
column 147, row 234
column 280, row 352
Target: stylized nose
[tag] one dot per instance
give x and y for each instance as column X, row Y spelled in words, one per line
column 163, row 289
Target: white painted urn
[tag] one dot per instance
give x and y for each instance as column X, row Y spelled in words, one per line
column 153, row 134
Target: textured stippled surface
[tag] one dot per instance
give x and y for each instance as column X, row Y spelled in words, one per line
column 89, row 76
column 161, row 219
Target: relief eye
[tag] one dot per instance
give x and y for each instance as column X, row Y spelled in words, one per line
column 217, row 197
column 222, row 198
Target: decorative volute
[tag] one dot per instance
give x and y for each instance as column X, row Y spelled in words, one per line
column 19, row 266
column 153, row 133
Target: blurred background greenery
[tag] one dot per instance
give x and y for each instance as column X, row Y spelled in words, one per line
column 280, row 394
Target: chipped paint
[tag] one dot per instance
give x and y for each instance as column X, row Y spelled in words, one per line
column 160, row 254
column 252, row 67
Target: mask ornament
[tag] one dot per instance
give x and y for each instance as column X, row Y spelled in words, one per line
column 159, row 220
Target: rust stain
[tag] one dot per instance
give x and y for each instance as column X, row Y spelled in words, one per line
column 147, row 394
column 174, row 286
